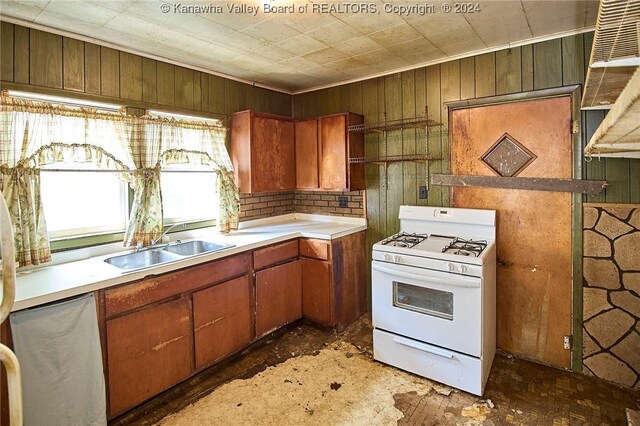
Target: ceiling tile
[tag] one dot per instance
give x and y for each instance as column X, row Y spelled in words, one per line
column 394, row 35
column 272, row 53
column 117, row 5
column 368, row 22
column 91, row 14
column 307, row 22
column 334, row 33
column 416, row 51
column 301, row 44
column 326, row 55
column 270, row 31
column 357, row 46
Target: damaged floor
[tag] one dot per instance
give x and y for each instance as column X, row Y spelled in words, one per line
column 305, row 375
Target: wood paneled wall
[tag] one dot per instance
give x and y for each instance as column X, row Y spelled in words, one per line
column 553, row 63
column 38, row 60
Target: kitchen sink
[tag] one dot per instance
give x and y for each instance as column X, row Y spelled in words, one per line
column 150, row 257
column 191, row 248
column 142, row 259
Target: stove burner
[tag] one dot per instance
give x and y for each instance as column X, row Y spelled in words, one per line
column 465, row 247
column 404, row 239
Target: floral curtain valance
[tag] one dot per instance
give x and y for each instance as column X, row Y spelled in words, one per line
column 34, row 134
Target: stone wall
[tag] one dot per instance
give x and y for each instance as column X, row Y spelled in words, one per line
column 611, row 310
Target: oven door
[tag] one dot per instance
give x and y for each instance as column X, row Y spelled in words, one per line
column 439, row 308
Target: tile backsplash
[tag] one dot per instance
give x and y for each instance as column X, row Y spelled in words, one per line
column 267, row 204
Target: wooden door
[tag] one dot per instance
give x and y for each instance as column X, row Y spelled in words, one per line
column 278, row 297
column 221, row 320
column 272, row 155
column 148, row 351
column 333, row 152
column 533, row 227
column 307, row 154
column 316, row 290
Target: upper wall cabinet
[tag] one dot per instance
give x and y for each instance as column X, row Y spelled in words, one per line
column 323, row 148
column 263, row 152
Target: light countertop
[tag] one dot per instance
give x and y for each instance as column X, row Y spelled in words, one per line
column 50, row 283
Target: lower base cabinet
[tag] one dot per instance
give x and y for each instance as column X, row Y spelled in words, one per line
column 278, row 296
column 221, row 320
column 153, row 358
column 316, row 290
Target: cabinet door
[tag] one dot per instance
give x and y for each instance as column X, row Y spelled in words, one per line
column 307, row 154
column 278, row 297
column 148, row 351
column 221, row 320
column 272, row 155
column 316, row 290
column 333, row 152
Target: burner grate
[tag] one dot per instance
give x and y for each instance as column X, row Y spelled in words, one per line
column 465, row 247
column 404, row 239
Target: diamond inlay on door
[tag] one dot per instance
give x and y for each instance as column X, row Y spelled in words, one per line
column 508, row 157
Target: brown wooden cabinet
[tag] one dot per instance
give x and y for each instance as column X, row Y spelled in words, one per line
column 159, row 331
column 263, row 152
column 149, row 351
column 278, row 296
column 316, row 290
column 337, row 145
column 323, row 148
column 221, row 320
column 333, row 279
column 307, row 176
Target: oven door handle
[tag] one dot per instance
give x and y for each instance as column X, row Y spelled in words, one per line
column 423, row 348
column 458, row 281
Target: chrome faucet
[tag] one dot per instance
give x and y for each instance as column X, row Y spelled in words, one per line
column 155, row 242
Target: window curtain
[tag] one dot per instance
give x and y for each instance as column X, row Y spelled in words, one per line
column 145, row 219
column 33, row 134
column 201, row 143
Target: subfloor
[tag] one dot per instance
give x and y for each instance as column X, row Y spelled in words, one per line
column 518, row 391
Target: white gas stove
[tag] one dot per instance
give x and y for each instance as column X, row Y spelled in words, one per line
column 433, row 295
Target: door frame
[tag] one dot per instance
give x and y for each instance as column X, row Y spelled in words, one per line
column 575, row 93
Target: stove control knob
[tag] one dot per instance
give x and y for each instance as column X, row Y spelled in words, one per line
column 387, row 257
column 397, row 259
column 451, row 267
column 464, row 269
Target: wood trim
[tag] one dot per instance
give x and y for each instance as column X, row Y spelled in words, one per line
column 513, row 97
column 591, row 187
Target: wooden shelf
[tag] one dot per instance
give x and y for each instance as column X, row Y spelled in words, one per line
column 402, row 124
column 390, row 159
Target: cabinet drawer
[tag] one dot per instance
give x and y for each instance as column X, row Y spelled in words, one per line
column 126, row 297
column 274, row 254
column 317, row 249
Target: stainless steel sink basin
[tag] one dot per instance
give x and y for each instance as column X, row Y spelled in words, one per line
column 191, row 248
column 141, row 259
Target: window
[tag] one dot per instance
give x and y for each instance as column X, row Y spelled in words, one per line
column 80, row 203
column 188, row 193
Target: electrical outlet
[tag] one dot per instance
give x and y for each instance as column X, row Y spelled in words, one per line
column 342, row 201
column 422, row 193
column 568, row 342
